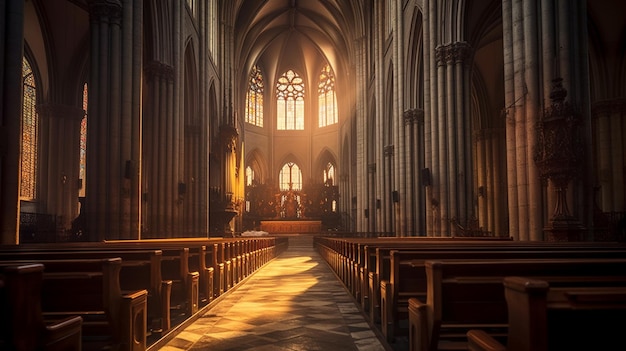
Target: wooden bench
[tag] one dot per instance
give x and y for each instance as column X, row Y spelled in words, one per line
column 569, row 317
column 408, row 277
column 22, row 325
column 90, row 288
column 141, row 269
column 465, row 294
column 382, row 260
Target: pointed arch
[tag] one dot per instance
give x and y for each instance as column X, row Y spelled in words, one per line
column 326, row 168
column 256, row 161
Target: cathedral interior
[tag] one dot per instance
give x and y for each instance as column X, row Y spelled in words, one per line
column 134, row 119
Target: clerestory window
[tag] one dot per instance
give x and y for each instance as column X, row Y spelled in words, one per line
column 327, row 100
column 290, row 102
column 254, row 98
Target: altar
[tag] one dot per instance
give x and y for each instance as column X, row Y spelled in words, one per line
column 291, row 226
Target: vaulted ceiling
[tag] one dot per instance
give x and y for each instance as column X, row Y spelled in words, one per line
column 300, row 34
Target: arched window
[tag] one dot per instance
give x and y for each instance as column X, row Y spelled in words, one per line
column 254, row 98
column 30, row 133
column 82, row 173
column 249, row 175
column 290, row 101
column 290, row 177
column 327, row 99
column 329, row 174
column 192, row 6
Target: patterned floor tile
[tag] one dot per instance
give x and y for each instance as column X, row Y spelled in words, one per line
column 293, row 303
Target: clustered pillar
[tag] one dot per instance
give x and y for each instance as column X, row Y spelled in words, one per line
column 542, row 41
column 448, row 158
column 112, row 206
column 11, row 49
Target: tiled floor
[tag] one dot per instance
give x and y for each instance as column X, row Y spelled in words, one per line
column 293, row 303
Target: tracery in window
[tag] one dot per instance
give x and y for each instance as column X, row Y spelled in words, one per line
column 30, row 133
column 83, row 145
column 254, row 98
column 327, row 100
column 290, row 102
column 290, row 177
column 329, row 174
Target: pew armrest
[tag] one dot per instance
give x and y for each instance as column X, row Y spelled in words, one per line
column 133, row 323
column 65, row 334
column 387, row 309
column 419, row 331
column 479, row 340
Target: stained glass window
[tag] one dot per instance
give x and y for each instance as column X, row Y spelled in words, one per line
column 83, row 145
column 329, row 174
column 254, row 98
column 290, row 101
column 30, row 133
column 290, row 177
column 327, row 98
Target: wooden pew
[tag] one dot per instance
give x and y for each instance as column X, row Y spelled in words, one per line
column 465, row 294
column 22, row 326
column 408, row 276
column 382, row 259
column 568, row 317
column 263, row 249
column 90, row 288
column 141, row 269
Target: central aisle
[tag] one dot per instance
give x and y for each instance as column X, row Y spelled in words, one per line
column 295, row 302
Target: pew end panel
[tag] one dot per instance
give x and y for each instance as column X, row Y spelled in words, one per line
column 419, row 330
column 21, row 318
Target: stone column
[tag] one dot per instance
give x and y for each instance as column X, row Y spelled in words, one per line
column 388, row 205
column 363, row 179
column 430, row 109
column 11, row 54
column 610, row 129
column 371, row 197
column 157, row 133
column 452, row 178
column 102, row 204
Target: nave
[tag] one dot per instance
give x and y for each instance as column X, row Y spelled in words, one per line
column 295, row 302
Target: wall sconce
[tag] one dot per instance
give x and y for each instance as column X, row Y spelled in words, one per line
column 481, row 191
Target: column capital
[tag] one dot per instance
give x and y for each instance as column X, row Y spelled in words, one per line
column 155, row 69
column 388, row 150
column 105, row 10
column 440, row 54
column 608, row 107
column 414, row 115
column 461, row 52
